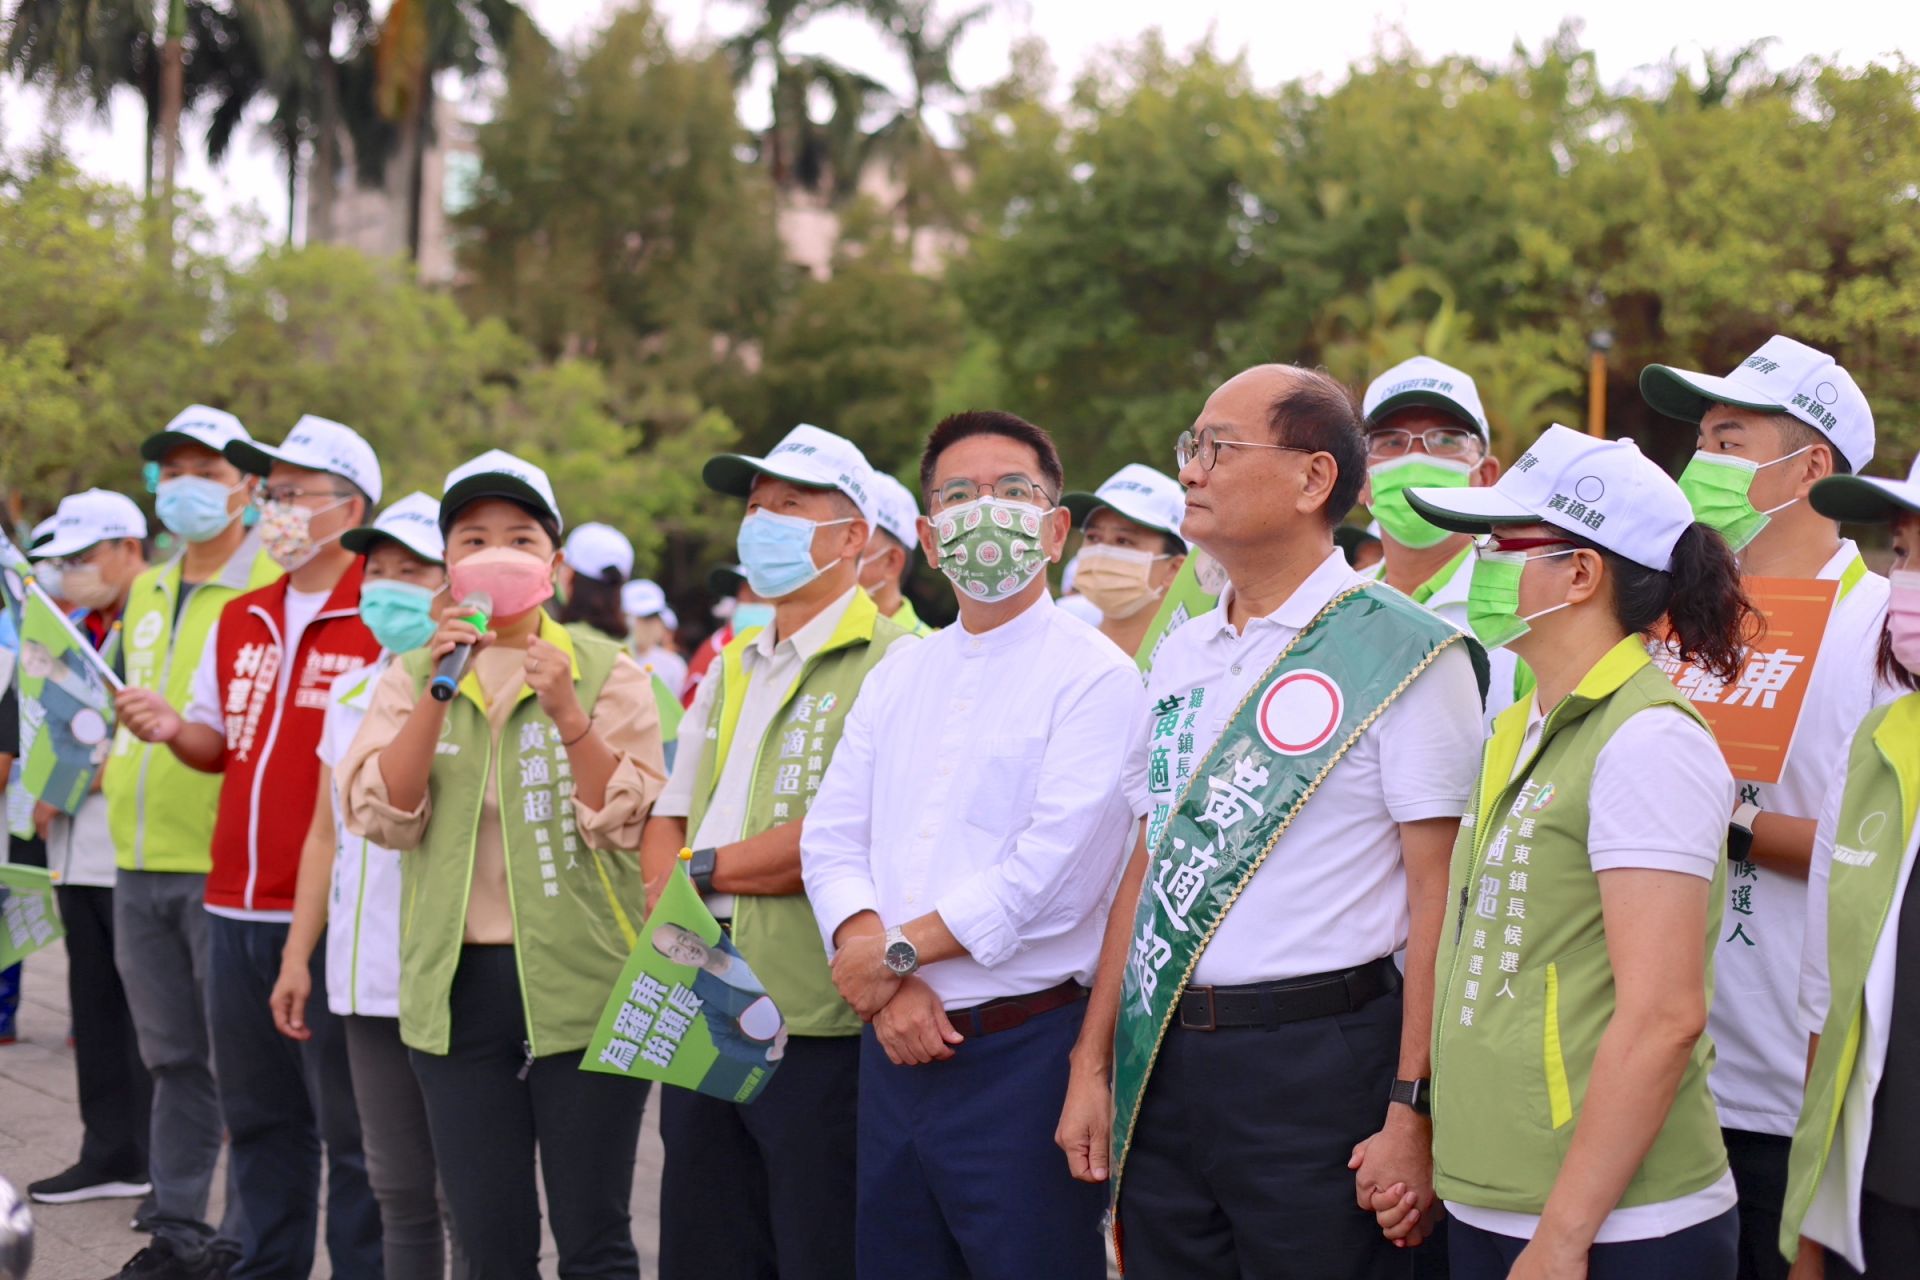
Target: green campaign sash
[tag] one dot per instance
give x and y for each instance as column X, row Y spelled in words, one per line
column 1336, row 677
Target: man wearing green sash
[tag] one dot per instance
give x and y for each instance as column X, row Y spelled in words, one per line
column 1770, row 430
column 756, row 743
column 1426, row 426
column 1310, row 746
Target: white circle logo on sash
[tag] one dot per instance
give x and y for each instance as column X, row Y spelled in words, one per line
column 1299, row 712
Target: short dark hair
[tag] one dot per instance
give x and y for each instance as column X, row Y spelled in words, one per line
column 990, row 422
column 1319, row 412
column 1796, row 435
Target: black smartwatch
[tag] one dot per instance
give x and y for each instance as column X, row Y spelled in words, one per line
column 1740, row 833
column 1417, row 1094
column 700, row 869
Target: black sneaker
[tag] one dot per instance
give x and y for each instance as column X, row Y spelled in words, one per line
column 81, row 1183
column 159, row 1261
column 222, row 1256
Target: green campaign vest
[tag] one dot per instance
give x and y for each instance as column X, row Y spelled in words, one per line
column 1361, row 651
column 1523, row 986
column 575, row 910
column 908, row 620
column 778, row 935
column 1870, row 841
column 159, row 811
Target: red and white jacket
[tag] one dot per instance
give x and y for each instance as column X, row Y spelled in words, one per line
column 271, row 766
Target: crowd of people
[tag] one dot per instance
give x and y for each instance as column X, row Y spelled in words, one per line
column 1377, row 861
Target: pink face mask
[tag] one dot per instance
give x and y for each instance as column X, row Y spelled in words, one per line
column 1903, row 618
column 516, row 581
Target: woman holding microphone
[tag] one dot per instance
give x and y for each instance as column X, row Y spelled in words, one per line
column 517, row 805
column 1573, row 1133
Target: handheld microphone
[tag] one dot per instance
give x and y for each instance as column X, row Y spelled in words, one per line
column 477, row 608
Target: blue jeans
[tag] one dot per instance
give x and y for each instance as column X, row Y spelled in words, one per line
column 280, row 1099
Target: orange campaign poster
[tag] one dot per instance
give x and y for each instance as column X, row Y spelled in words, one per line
column 1754, row 716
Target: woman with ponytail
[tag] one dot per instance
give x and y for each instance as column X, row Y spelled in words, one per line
column 1573, row 1132
column 1853, row 1182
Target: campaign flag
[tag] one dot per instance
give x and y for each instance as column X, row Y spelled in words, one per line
column 1193, row 591
column 14, row 572
column 66, row 705
column 28, row 917
column 687, row 1009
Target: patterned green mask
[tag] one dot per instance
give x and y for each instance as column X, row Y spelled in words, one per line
column 990, row 549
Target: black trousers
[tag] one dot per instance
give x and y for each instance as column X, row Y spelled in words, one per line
column 1700, row 1252
column 764, row 1191
column 487, row 1122
column 1759, row 1162
column 1238, row 1164
column 116, row 1094
column 1891, row 1234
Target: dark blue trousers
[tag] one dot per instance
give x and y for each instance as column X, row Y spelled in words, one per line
column 280, row 1100
column 958, row 1173
column 1707, row 1251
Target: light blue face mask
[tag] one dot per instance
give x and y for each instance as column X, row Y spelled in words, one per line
column 400, row 614
column 776, row 551
column 746, row 614
column 193, row 507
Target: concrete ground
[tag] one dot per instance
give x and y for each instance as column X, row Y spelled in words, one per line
column 40, row 1136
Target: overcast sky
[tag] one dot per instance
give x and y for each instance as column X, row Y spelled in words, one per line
column 1626, row 34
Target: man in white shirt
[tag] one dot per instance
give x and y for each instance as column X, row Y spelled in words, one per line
column 960, row 858
column 1426, row 426
column 767, row 1189
column 1249, row 1028
column 1784, row 419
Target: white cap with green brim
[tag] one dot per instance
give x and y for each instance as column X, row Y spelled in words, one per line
column 498, row 474
column 895, row 510
column 1605, row 491
column 1425, row 381
column 86, row 519
column 314, row 444
column 1137, row 492
column 413, row 522
column 213, row 429
column 1867, row 499
column 806, row 456
column 1783, row 376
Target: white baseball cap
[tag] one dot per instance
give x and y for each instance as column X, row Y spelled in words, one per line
column 594, row 548
column 318, row 444
column 413, row 522
column 807, row 456
column 1867, row 499
column 1783, row 376
column 214, row 429
column 84, row 519
column 895, row 511
column 1425, row 381
column 643, row 598
column 497, row 474
column 1138, row 492
column 1605, row 491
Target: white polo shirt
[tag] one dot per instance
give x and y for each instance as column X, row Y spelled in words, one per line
column 1333, row 893
column 1759, row 1076
column 363, row 903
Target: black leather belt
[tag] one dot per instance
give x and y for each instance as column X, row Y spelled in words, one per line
column 1009, row 1012
column 1271, row 1004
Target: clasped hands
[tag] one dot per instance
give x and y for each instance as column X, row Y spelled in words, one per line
column 908, row 1018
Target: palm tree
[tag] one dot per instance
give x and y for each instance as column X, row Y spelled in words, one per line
column 914, row 155
column 800, row 151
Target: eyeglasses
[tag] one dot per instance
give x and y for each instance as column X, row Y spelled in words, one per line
column 293, row 493
column 1206, row 447
column 1493, row 543
column 74, row 561
column 1013, row 488
column 1440, row 442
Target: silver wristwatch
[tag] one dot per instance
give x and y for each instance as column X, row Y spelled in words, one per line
column 901, row 956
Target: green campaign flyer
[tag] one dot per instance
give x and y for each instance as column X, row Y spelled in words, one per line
column 687, row 1009
column 66, row 706
column 28, row 917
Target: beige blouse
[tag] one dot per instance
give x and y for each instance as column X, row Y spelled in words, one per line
column 626, row 718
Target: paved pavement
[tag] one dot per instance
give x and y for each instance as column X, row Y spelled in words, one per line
column 40, row 1135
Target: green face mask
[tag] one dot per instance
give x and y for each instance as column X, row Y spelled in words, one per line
column 1493, row 596
column 1391, row 480
column 990, row 549
column 1716, row 489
